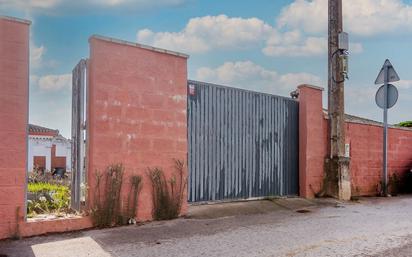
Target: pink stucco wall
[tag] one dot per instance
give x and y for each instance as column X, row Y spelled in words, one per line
column 136, row 113
column 34, row 228
column 366, row 155
column 365, row 139
column 312, row 141
column 14, row 96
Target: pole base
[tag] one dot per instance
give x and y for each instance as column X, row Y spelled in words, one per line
column 337, row 182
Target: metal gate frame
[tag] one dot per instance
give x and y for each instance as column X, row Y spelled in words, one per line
column 79, row 101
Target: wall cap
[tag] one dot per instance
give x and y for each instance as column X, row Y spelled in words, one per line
column 196, row 82
column 9, row 18
column 311, row 86
column 364, row 121
column 123, row 42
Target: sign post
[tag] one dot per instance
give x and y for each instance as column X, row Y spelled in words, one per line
column 386, row 100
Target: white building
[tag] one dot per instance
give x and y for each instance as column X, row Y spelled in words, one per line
column 47, row 149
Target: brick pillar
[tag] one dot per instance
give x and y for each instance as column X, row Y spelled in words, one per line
column 312, row 140
column 14, row 94
column 136, row 113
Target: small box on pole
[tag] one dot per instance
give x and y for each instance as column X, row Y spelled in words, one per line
column 343, row 41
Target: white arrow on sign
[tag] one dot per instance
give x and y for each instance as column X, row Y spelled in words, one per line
column 392, row 75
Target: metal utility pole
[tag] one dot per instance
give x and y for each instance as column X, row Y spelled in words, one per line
column 337, row 183
column 385, row 132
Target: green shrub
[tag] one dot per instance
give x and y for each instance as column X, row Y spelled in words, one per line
column 135, row 188
column 37, row 176
column 47, row 198
column 167, row 194
column 405, row 124
column 396, row 184
column 108, row 209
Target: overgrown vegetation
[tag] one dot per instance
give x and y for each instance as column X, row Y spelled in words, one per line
column 37, row 175
column 167, row 194
column 394, row 184
column 407, row 182
column 397, row 184
column 46, row 198
column 136, row 186
column 405, row 124
column 108, row 209
column 16, row 234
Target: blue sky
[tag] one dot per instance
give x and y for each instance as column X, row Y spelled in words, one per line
column 264, row 45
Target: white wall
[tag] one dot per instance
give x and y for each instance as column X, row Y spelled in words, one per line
column 41, row 146
column 64, row 149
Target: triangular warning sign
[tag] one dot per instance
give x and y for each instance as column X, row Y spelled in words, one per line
column 392, row 75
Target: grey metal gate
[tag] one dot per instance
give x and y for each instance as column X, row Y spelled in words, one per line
column 242, row 144
column 79, row 100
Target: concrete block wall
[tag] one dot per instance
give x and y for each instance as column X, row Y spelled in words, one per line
column 365, row 139
column 14, row 100
column 366, row 155
column 136, row 112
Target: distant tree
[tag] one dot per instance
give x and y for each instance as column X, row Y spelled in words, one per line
column 405, row 124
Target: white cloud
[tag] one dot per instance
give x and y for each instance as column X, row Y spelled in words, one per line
column 52, row 82
column 303, row 46
column 360, row 100
column 363, row 18
column 36, row 55
column 174, row 41
column 34, row 79
column 403, row 84
column 248, row 75
column 309, row 16
column 355, row 47
column 63, row 6
column 202, row 34
column 355, row 95
column 141, row 3
column 28, row 5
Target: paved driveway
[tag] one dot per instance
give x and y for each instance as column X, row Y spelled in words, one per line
column 294, row 227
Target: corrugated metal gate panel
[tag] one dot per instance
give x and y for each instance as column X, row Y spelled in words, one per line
column 79, row 75
column 242, row 144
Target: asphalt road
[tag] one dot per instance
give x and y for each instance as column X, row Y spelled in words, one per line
column 401, row 251
column 370, row 227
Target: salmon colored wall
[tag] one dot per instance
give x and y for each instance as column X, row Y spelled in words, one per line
column 40, row 162
column 14, row 100
column 366, row 155
column 312, row 142
column 365, row 148
column 136, row 113
column 35, row 228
